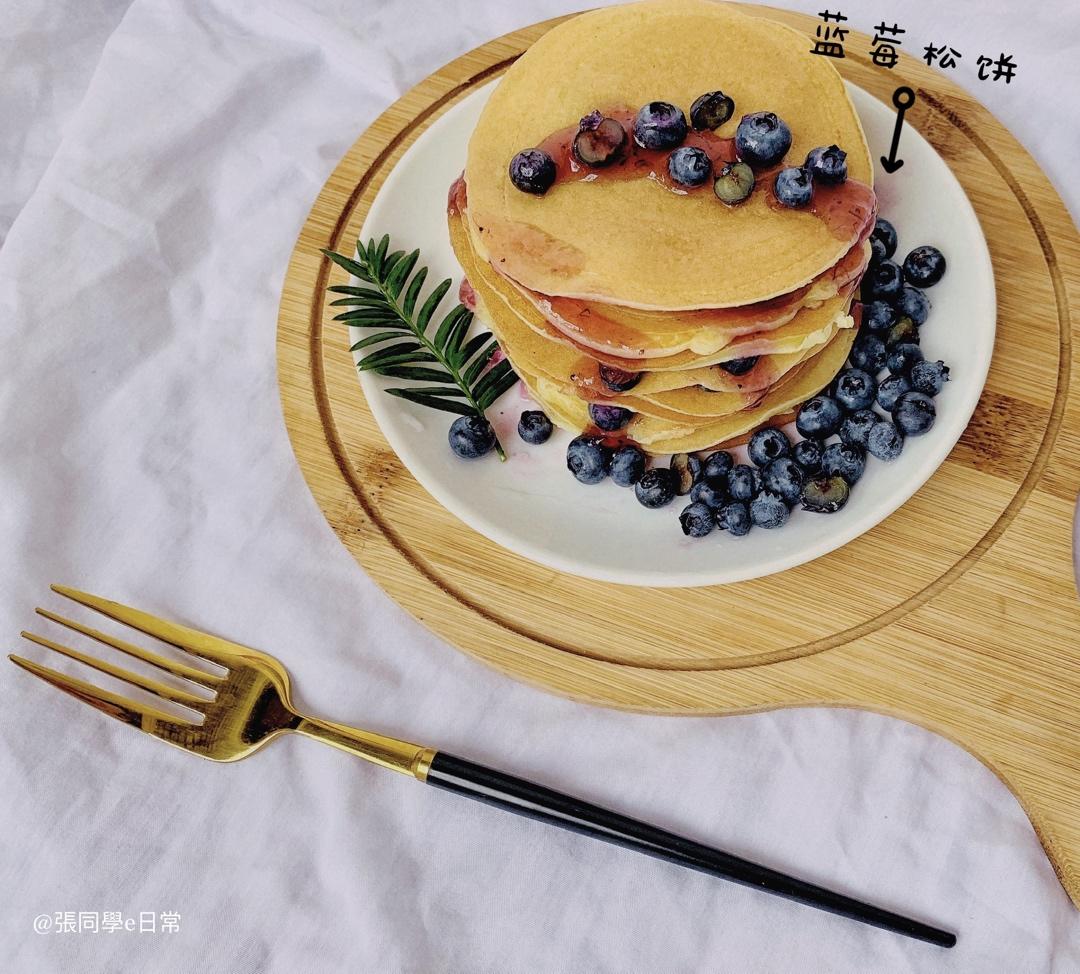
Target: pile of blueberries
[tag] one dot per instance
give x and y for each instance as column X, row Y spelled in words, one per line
column 761, row 140
column 839, row 427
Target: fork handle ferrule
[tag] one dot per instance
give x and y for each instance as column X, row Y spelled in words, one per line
column 387, row 752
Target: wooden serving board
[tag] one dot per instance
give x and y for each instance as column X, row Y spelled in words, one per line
column 958, row 612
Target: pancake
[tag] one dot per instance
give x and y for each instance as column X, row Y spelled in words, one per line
column 541, row 356
column 658, row 436
column 505, row 303
column 619, row 330
column 696, row 406
column 530, row 357
column 685, row 434
column 675, row 436
column 631, row 241
column 767, row 371
column 565, row 411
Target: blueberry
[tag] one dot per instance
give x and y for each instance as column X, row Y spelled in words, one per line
column 825, row 495
column 886, row 233
column 905, row 330
column 600, row 141
column 711, row 110
column 885, row 441
column 785, row 478
column 914, row 413
column 924, row 266
column 618, row 380
column 844, row 460
column 929, row 377
column 734, row 183
column 913, row 304
column 769, row 511
column 609, row 418
column 734, row 518
column 868, row 353
column 878, row 316
column 697, row 520
column 883, row 281
column 819, row 417
column 877, row 251
column 533, row 171
column 794, row 187
column 534, row 427
column 855, row 389
column 689, row 165
column 743, row 482
column 659, row 125
column 627, row 465
column 891, row 388
column 827, row 164
column 588, row 459
column 709, row 491
column 856, row 428
column 717, row 465
column 762, row 139
column 766, row 445
column 656, row 487
column 471, row 437
column 807, row 454
column 739, row 366
column 686, row 469
column 902, row 356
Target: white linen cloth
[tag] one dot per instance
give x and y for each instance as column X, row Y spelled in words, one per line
column 145, row 458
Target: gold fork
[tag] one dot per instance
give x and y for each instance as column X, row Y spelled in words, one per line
column 250, row 705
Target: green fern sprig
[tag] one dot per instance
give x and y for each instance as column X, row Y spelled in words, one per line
column 404, row 345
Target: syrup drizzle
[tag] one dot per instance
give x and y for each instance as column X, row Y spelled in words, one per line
column 844, row 208
column 634, row 162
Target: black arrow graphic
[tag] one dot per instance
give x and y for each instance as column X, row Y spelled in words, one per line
column 903, row 99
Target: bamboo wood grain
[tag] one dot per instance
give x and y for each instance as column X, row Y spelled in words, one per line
column 977, row 637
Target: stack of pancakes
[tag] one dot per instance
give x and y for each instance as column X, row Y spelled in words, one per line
column 621, row 291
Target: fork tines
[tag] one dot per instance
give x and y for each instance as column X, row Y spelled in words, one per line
column 142, row 715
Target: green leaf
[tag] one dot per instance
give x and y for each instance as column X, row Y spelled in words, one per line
column 357, row 270
column 412, row 292
column 392, row 352
column 472, row 373
column 492, row 378
column 368, row 314
column 451, row 391
column 395, row 280
column 401, row 326
column 418, row 372
column 406, row 358
column 473, row 345
column 376, row 302
column 432, row 302
column 446, row 327
column 388, row 264
column 359, row 292
column 381, row 336
column 378, row 252
column 456, row 337
column 435, row 402
column 504, row 385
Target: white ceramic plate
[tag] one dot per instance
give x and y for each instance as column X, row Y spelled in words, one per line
column 533, row 506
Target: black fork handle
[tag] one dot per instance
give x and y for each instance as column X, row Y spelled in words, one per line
column 534, row 801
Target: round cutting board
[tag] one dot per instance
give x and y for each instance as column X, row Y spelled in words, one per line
column 958, row 612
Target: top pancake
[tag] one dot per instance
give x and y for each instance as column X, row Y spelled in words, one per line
column 632, row 241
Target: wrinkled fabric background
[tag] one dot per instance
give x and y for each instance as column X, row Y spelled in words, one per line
column 157, row 160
